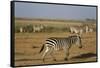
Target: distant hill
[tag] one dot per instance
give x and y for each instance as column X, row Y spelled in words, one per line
column 60, row 20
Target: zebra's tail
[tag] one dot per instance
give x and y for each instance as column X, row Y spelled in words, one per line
column 42, row 48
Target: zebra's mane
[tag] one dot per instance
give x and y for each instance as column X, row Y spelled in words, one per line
column 74, row 36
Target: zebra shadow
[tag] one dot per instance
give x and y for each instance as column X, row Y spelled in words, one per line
column 81, row 56
column 84, row 56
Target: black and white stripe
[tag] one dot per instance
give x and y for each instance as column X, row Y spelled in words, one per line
column 57, row 43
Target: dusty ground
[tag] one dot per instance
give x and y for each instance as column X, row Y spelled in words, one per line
column 28, row 45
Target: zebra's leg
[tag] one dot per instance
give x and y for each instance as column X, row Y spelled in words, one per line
column 51, row 53
column 45, row 53
column 66, row 53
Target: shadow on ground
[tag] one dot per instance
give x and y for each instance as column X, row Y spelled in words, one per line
column 83, row 56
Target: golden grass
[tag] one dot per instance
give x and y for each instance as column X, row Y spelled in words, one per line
column 28, row 45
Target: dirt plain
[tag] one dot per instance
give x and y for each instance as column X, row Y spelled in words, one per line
column 28, row 45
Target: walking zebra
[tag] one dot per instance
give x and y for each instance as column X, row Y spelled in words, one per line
column 56, row 43
column 76, row 30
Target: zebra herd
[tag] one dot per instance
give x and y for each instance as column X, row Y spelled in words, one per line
column 31, row 28
column 57, row 43
column 80, row 30
column 40, row 28
column 53, row 44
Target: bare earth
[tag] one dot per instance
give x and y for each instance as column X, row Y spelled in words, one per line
column 28, row 45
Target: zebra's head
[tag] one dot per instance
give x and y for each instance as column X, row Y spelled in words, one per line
column 79, row 41
column 76, row 39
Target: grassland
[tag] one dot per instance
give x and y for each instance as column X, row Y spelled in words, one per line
column 28, row 45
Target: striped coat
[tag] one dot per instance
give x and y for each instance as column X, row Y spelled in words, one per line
column 57, row 43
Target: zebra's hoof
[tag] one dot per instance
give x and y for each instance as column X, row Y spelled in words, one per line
column 66, row 59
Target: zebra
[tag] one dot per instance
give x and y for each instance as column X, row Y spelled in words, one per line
column 90, row 30
column 21, row 29
column 87, row 29
column 76, row 30
column 38, row 28
column 57, row 43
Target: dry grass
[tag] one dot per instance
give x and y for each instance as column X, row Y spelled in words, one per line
column 27, row 46
column 48, row 23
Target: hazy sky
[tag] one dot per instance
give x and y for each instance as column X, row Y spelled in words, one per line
column 51, row 11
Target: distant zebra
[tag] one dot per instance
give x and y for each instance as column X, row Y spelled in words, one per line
column 57, row 43
column 90, row 30
column 87, row 29
column 76, row 30
column 21, row 29
column 38, row 28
